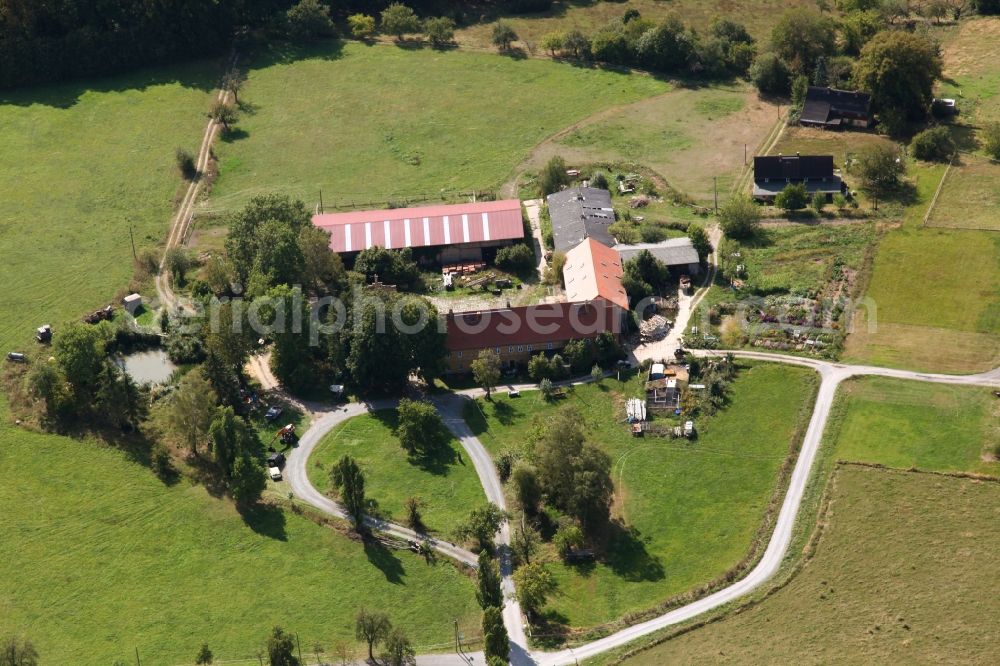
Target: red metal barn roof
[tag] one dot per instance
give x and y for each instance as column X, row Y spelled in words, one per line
column 426, row 226
column 531, row 325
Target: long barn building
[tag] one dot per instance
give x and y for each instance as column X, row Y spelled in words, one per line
column 453, row 232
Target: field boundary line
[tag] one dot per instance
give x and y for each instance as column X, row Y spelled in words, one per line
column 937, row 192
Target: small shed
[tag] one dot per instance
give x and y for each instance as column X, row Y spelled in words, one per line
column 43, row 333
column 132, row 302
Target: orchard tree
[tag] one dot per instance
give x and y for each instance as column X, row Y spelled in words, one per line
column 488, row 591
column 397, row 649
column 739, row 217
column 362, row 26
column 553, row 42
column 17, row 652
column 503, row 35
column 349, row 480
column 372, row 628
column 399, row 20
column 899, row 69
column 205, row 655
column 440, row 31
column 577, row 43
column 486, row 370
column 880, row 168
column 224, row 114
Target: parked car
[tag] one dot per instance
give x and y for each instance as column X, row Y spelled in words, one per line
column 273, row 413
column 276, row 460
column 16, row 357
column 274, row 473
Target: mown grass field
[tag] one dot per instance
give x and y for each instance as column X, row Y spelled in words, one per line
column 692, row 508
column 970, row 196
column 446, row 483
column 99, row 557
column 82, row 161
column 913, row 424
column 899, row 576
column 367, row 124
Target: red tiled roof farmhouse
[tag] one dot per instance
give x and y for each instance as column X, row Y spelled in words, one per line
column 531, row 325
column 425, row 226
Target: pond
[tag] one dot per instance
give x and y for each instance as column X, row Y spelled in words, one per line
column 147, row 367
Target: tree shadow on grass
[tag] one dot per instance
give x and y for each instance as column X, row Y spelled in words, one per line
column 627, row 556
column 384, row 560
column 438, row 460
column 550, row 629
column 266, row 520
column 234, row 134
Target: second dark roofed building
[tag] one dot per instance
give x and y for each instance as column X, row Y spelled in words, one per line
column 771, row 173
column 580, row 213
column 833, row 108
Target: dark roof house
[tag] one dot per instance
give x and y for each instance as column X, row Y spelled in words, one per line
column 771, row 173
column 580, row 213
column 832, row 108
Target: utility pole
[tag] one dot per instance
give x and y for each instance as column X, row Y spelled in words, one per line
column 744, row 154
column 299, row 644
column 138, row 663
column 132, row 238
column 321, row 201
column 715, row 187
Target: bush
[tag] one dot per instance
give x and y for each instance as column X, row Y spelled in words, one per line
column 517, row 258
column 770, row 74
column 362, row 26
column 553, row 176
column 568, row 539
column 739, row 217
column 599, row 179
column 185, row 163
column 793, row 197
column 991, row 139
column 398, row 20
column 933, row 144
column 440, row 31
column 503, row 35
column 818, row 202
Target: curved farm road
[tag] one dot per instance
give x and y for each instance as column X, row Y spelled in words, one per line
column 450, row 406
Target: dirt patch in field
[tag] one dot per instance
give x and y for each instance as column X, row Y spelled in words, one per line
column 690, row 136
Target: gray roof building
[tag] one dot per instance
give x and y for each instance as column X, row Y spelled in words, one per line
column 672, row 252
column 580, row 213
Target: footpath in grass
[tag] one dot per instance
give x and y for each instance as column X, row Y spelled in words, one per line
column 899, row 576
column 367, row 124
column 691, row 508
column 446, row 483
column 100, row 558
column 904, row 424
column 83, row 161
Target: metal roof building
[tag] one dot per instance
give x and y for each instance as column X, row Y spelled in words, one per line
column 483, row 223
column 580, row 213
column 672, row 252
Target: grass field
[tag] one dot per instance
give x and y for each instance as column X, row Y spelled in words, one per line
column 590, row 15
column 970, row 196
column 84, row 161
column 688, row 135
column 899, row 576
column 908, row 424
column 99, row 557
column 447, row 483
column 972, row 74
column 372, row 123
column 934, row 295
column 692, row 508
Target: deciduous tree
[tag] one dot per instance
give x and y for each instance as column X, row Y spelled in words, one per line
column 399, row 20
column 899, row 69
column 534, row 585
column 281, row 648
column 739, row 217
column 486, row 370
column 482, row 524
column 350, row 483
column 419, row 427
column 371, row 627
column 503, row 35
